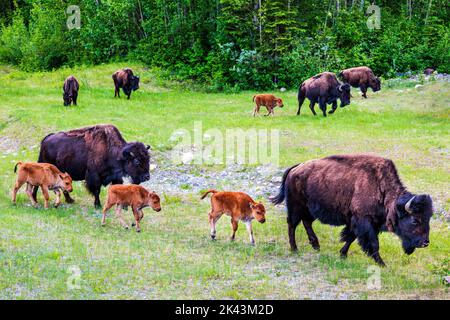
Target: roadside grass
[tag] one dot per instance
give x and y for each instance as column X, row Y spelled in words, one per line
column 173, row 257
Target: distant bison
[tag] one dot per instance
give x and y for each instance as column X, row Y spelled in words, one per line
column 70, row 89
column 429, row 71
column 361, row 192
column 324, row 89
column 97, row 154
column 126, row 80
column 362, row 78
column 267, row 100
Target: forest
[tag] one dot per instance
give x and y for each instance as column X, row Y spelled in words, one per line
column 230, row 45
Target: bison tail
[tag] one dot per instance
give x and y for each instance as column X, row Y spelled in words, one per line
column 253, row 99
column 208, row 192
column 17, row 164
column 279, row 198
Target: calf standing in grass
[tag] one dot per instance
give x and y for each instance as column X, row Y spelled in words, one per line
column 237, row 205
column 130, row 195
column 267, row 100
column 44, row 175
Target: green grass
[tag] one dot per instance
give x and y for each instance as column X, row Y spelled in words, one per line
column 173, row 257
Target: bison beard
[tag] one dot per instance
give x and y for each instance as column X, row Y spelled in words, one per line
column 361, row 192
column 98, row 154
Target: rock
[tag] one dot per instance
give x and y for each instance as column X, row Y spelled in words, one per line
column 282, row 89
column 447, row 280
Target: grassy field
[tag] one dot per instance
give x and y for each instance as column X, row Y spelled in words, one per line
column 64, row 253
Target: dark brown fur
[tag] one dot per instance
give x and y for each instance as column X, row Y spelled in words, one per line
column 324, row 89
column 125, row 79
column 239, row 206
column 70, row 89
column 361, row 77
column 362, row 192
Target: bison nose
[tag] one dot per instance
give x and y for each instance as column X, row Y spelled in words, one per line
column 425, row 243
column 262, row 220
column 146, row 177
column 158, row 209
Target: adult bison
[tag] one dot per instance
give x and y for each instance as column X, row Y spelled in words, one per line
column 70, row 91
column 362, row 78
column 97, row 154
column 324, row 89
column 361, row 192
column 126, row 80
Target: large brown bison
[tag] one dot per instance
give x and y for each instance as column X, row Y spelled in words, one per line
column 362, row 78
column 97, row 154
column 324, row 89
column 126, row 80
column 361, row 192
column 70, row 91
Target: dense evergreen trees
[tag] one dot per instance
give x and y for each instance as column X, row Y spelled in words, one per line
column 229, row 44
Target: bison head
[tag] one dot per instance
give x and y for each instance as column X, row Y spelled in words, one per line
column 344, row 94
column 67, row 99
column 136, row 161
column 279, row 102
column 375, row 84
column 134, row 83
column 258, row 212
column 154, row 201
column 413, row 221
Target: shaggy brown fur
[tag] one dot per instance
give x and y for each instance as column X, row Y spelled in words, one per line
column 362, row 192
column 361, row 77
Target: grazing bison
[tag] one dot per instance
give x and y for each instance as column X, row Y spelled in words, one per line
column 45, row 175
column 323, row 88
column 70, row 89
column 130, row 195
column 361, row 192
column 429, row 71
column 267, row 100
column 126, row 80
column 362, row 78
column 239, row 206
column 98, row 154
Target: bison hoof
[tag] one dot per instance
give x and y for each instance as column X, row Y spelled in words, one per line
column 138, row 230
column 133, row 224
column 316, row 247
column 213, row 237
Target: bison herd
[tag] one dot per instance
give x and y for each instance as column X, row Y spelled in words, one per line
column 361, row 192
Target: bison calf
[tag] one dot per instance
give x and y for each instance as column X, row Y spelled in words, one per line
column 361, row 192
column 132, row 195
column 70, row 89
column 239, row 206
column 44, row 175
column 267, row 100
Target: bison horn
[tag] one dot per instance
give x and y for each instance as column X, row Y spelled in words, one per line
column 408, row 205
column 132, row 154
column 148, row 147
column 340, row 88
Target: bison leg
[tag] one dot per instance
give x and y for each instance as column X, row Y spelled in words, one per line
column 323, row 106
column 67, row 196
column 120, row 216
column 213, row 217
column 75, row 99
column 293, row 220
column 256, row 110
column 364, row 91
column 107, row 206
column 348, row 236
column 248, row 225
column 34, row 194
column 94, row 184
column 333, row 108
column 137, row 218
column 58, row 198
column 368, row 240
column 234, row 226
column 311, row 234
column 17, row 186
column 46, row 196
column 311, row 106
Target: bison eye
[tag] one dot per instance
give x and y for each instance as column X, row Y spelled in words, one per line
column 136, row 162
column 415, row 222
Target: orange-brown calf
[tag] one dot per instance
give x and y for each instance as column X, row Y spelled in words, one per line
column 237, row 205
column 43, row 175
column 267, row 100
column 130, row 195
